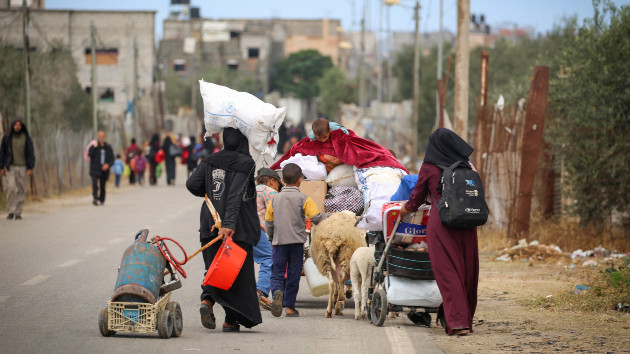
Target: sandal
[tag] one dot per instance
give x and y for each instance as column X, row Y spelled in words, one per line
column 207, row 317
column 231, row 328
column 295, row 313
column 261, row 300
column 276, row 304
column 460, row 332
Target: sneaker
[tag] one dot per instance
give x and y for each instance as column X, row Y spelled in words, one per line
column 276, row 304
column 95, row 202
column 10, row 216
column 18, row 217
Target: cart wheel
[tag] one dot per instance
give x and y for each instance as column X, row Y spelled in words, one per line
column 165, row 324
column 102, row 324
column 422, row 319
column 178, row 322
column 379, row 307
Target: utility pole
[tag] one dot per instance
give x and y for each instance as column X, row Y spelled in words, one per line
column 94, row 90
column 462, row 63
column 362, row 62
column 439, row 69
column 390, row 56
column 27, row 68
column 416, row 86
column 379, row 57
column 135, row 90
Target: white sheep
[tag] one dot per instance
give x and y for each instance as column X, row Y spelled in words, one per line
column 361, row 263
column 334, row 241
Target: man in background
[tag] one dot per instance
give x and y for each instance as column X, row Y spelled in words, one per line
column 101, row 158
column 17, row 159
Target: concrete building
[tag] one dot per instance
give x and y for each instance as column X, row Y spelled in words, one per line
column 116, row 33
column 196, row 45
column 14, row 4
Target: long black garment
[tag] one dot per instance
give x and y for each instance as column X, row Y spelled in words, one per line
column 227, row 177
column 169, row 161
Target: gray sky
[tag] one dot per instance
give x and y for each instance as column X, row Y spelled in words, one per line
column 539, row 14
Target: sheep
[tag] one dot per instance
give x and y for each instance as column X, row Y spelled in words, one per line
column 334, row 241
column 360, row 264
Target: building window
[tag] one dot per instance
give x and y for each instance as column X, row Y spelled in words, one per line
column 104, row 56
column 105, row 94
column 179, row 65
column 234, row 34
column 232, row 64
column 253, row 52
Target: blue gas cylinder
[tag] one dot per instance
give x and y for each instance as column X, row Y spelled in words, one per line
column 141, row 272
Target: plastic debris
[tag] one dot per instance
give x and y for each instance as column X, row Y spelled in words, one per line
column 504, row 258
column 622, row 307
column 590, row 263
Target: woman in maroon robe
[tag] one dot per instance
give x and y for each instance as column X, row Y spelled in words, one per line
column 453, row 252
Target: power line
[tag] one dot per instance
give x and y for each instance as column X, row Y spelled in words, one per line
column 19, row 14
column 9, row 15
column 41, row 33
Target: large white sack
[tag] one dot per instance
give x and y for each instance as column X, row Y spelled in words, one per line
column 380, row 193
column 409, row 292
column 257, row 120
column 377, row 184
column 312, row 169
column 342, row 175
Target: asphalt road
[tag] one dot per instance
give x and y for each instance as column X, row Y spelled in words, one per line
column 59, row 267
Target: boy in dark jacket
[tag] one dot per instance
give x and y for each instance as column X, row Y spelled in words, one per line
column 17, row 159
column 286, row 230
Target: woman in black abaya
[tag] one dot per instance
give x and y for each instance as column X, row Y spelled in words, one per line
column 227, row 178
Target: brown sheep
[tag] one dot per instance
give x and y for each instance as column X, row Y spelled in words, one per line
column 334, row 241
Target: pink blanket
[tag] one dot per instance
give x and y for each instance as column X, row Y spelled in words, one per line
column 349, row 148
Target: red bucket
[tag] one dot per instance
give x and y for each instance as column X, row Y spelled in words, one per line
column 226, row 265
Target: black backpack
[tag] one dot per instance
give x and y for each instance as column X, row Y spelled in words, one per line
column 463, row 204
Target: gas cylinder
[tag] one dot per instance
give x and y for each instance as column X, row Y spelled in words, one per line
column 141, row 272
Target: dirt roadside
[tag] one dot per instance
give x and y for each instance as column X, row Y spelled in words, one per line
column 505, row 322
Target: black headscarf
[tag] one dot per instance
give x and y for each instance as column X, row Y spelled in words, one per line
column 445, row 148
column 234, row 140
column 235, row 154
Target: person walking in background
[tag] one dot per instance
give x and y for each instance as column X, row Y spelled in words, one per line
column 267, row 186
column 118, row 168
column 171, row 149
column 227, row 178
column 154, row 147
column 17, row 160
column 191, row 163
column 141, row 166
column 454, row 252
column 101, row 158
column 130, row 153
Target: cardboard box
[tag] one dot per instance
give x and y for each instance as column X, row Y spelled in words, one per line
column 317, row 191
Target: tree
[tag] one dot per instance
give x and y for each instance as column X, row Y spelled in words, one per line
column 299, row 73
column 334, row 89
column 590, row 130
column 56, row 95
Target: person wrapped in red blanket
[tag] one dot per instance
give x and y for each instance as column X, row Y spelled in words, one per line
column 344, row 145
